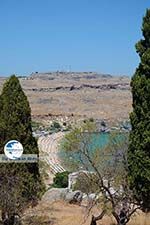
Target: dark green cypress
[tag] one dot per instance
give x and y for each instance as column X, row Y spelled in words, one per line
column 15, row 124
column 139, row 141
column 15, row 113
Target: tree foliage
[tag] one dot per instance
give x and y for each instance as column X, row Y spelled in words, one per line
column 104, row 171
column 20, row 183
column 139, row 147
column 61, row 180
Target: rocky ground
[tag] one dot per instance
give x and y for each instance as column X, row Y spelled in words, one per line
column 74, row 96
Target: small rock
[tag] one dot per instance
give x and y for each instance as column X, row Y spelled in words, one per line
column 74, row 197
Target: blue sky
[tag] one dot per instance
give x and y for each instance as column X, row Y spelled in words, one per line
column 83, row 35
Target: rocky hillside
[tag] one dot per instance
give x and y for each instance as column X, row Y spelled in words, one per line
column 77, row 95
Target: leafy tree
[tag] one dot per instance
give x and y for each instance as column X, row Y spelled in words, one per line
column 61, row 180
column 22, row 179
column 104, row 172
column 139, row 147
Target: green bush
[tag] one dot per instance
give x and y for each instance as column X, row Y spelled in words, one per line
column 91, row 119
column 36, row 125
column 61, row 180
column 55, row 126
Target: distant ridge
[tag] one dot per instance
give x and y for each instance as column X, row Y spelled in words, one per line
column 70, row 75
column 81, row 94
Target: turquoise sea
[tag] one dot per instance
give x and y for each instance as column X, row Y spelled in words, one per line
column 98, row 141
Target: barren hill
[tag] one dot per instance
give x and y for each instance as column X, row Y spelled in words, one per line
column 77, row 95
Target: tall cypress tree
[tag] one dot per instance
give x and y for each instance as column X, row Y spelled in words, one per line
column 15, row 113
column 139, row 145
column 15, row 124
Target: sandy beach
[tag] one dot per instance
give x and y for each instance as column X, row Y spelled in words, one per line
column 48, row 148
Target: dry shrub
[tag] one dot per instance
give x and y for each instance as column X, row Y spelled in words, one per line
column 38, row 220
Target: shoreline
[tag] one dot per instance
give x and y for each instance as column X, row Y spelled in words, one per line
column 48, row 148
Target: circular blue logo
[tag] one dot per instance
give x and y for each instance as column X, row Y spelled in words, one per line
column 13, row 149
